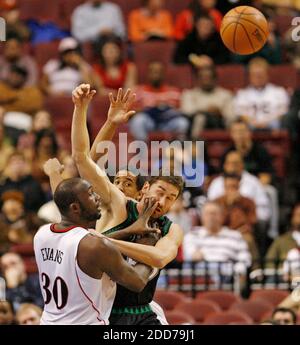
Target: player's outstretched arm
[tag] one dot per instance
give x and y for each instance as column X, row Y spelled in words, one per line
column 119, row 113
column 160, row 255
column 97, row 255
column 53, row 169
column 87, row 168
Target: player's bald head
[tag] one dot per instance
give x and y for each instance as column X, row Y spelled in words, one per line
column 67, row 192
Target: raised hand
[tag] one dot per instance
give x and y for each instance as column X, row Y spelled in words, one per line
column 53, row 166
column 141, row 226
column 119, row 111
column 82, row 95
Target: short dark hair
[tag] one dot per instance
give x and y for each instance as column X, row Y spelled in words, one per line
column 285, row 310
column 46, row 133
column 140, row 180
column 66, row 193
column 176, row 181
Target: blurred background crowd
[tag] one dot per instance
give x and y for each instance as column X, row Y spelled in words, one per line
column 189, row 87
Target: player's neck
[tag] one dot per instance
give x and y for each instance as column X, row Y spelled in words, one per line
column 67, row 223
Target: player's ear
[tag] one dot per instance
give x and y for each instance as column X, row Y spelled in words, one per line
column 75, row 208
column 145, row 188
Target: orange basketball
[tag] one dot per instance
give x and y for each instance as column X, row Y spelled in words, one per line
column 244, row 30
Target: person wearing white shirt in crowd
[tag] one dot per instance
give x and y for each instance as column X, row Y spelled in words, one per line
column 262, row 104
column 250, row 186
column 214, row 242
column 96, row 18
column 61, row 76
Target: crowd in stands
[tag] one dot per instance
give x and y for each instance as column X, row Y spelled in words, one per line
column 189, row 87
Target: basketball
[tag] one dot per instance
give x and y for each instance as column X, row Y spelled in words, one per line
column 244, row 30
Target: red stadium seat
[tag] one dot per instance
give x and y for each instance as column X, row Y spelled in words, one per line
column 23, row 249
column 228, row 317
column 168, row 300
column 199, row 310
column 61, row 110
column 44, row 52
column 176, row 6
column 40, row 10
column 179, row 76
column 223, row 298
column 283, row 23
column 232, row 77
column 284, row 75
column 175, row 317
column 146, row 52
column 127, row 6
column 256, row 309
column 272, row 296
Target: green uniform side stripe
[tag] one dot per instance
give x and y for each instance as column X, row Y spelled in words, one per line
column 138, row 310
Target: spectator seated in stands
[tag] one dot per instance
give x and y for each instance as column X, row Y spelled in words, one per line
column 28, row 314
column 208, row 104
column 284, row 316
column 41, row 121
column 20, row 288
column 6, row 313
column 14, row 25
column 61, row 76
column 13, row 54
column 271, row 51
column 151, row 21
column 113, row 69
column 282, row 245
column 179, row 215
column 216, row 243
column 158, row 106
column 203, row 40
column 49, row 211
column 262, row 104
column 15, row 96
column 291, row 49
column 45, row 147
column 97, row 18
column 17, row 176
column 16, row 225
column 258, row 162
column 185, row 19
column 6, row 147
column 250, row 186
column 256, row 158
column 239, row 211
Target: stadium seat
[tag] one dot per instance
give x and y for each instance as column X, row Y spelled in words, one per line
column 223, row 298
column 228, row 317
column 283, row 23
column 255, row 309
column 231, row 77
column 175, row 317
column 146, row 52
column 168, row 299
column 43, row 52
column 272, row 296
column 199, row 310
column 40, row 10
column 179, row 76
column 176, row 6
column 127, row 6
column 284, row 75
column 61, row 110
column 98, row 112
